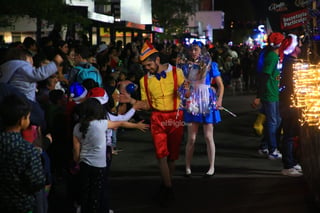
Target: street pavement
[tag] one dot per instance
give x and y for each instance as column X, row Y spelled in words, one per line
column 244, row 182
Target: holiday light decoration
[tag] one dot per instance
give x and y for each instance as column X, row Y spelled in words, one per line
column 306, row 96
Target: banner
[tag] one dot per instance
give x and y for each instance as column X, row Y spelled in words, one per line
column 278, row 10
column 294, row 20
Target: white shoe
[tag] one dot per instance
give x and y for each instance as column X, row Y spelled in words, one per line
column 291, row 172
column 298, row 168
column 188, row 173
column 111, row 211
column 263, row 152
column 78, row 209
column 275, row 155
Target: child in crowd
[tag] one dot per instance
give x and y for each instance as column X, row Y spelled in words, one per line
column 101, row 95
column 21, row 171
column 122, row 109
column 18, row 71
column 77, row 94
column 89, row 143
column 57, row 126
column 33, row 135
column 113, row 92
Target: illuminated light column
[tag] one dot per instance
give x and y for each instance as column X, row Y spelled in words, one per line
column 306, row 97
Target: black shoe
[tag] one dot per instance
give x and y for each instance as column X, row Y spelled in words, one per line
column 166, row 196
column 187, row 175
column 208, row 175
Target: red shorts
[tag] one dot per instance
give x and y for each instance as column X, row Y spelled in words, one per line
column 167, row 132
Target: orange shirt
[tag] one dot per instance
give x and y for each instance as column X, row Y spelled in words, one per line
column 161, row 93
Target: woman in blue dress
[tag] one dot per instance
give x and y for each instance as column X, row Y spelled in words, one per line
column 201, row 102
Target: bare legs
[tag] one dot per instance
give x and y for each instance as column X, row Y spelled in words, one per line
column 166, row 169
column 211, row 149
column 192, row 134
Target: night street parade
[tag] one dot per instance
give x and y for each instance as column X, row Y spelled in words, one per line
column 160, row 106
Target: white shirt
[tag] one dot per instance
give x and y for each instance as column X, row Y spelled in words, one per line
column 113, row 117
column 93, row 146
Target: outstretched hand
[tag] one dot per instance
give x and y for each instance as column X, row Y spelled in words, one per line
column 142, row 126
column 124, row 98
column 58, row 59
column 139, row 105
column 256, row 102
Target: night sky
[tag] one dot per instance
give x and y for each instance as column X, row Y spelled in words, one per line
column 248, row 10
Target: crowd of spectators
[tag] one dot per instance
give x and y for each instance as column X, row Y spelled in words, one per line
column 57, row 63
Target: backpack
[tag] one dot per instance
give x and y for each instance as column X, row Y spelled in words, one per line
column 87, row 71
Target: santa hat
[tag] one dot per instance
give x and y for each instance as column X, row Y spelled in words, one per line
column 147, row 50
column 100, row 94
column 289, row 44
column 77, row 92
column 275, row 39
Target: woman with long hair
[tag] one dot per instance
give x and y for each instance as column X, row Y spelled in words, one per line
column 202, row 102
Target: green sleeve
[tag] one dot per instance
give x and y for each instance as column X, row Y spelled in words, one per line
column 270, row 62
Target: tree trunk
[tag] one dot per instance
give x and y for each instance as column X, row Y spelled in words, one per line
column 38, row 32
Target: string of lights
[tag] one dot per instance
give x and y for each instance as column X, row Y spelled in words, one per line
column 306, row 96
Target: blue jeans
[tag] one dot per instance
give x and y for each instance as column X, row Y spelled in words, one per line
column 114, row 138
column 271, row 126
column 291, row 129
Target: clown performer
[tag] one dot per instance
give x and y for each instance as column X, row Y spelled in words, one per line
column 202, row 102
column 159, row 93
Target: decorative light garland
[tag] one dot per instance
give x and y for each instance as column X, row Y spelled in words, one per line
column 306, row 95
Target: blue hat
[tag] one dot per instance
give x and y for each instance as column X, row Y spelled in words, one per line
column 197, row 43
column 77, row 92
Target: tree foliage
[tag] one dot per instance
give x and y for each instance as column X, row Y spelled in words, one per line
column 173, row 15
column 54, row 11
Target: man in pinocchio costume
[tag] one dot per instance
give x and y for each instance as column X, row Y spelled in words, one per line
column 159, row 88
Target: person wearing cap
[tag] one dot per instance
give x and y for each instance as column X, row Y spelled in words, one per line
column 268, row 95
column 101, row 95
column 290, row 50
column 102, row 48
column 159, row 92
column 202, row 104
column 77, row 94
